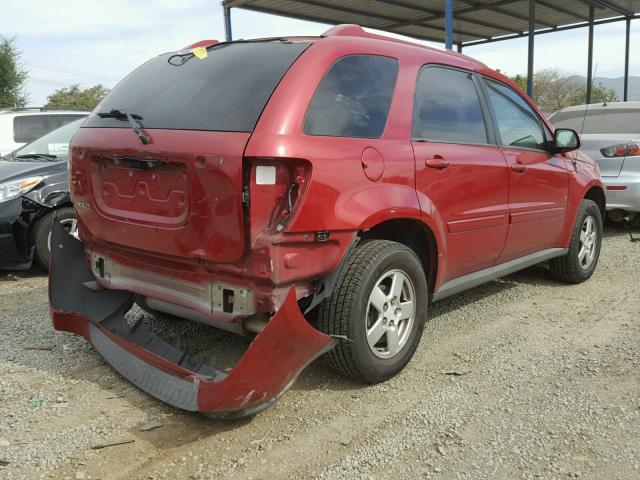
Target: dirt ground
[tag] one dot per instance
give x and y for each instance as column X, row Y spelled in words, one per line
column 520, row 378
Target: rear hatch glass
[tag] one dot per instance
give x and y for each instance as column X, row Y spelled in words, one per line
column 226, row 91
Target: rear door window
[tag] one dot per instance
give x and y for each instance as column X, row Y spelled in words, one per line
column 26, row 128
column 447, row 107
column 518, row 124
column 353, row 98
column 225, row 91
column 57, row 121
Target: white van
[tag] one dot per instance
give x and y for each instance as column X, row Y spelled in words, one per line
column 19, row 126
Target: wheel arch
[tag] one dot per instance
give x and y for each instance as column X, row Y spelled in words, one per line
column 583, row 187
column 416, row 235
column 596, row 193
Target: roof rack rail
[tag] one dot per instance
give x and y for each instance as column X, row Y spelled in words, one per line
column 353, row 30
column 21, row 109
column 43, row 109
column 347, row 30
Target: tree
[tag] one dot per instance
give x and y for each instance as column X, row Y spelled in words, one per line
column 76, row 97
column 600, row 94
column 520, row 81
column 554, row 90
column 13, row 75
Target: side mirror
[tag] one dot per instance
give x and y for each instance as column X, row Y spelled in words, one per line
column 565, row 140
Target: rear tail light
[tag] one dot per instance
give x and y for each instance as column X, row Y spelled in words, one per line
column 630, row 150
column 273, row 191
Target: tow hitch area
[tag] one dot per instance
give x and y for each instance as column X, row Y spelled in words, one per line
column 267, row 369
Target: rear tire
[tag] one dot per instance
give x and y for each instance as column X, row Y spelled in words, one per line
column 379, row 303
column 584, row 249
column 41, row 232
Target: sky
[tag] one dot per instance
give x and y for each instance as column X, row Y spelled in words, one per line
column 64, row 42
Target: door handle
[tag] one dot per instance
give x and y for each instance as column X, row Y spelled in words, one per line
column 437, row 162
column 518, row 167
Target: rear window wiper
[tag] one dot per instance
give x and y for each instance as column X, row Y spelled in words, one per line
column 45, row 156
column 135, row 121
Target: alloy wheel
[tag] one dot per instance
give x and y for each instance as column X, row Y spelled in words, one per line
column 390, row 313
column 588, row 243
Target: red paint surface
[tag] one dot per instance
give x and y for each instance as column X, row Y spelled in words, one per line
column 471, row 197
column 192, row 209
column 537, row 202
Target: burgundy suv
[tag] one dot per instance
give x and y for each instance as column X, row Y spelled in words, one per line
column 317, row 193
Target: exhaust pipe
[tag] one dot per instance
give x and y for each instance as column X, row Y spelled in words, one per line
column 627, row 225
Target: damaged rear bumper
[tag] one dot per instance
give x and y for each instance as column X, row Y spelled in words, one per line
column 267, row 369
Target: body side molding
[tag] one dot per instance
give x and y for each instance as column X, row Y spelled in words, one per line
column 474, row 279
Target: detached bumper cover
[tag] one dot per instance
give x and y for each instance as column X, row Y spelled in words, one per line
column 268, row 368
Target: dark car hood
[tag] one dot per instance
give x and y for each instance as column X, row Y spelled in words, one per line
column 16, row 170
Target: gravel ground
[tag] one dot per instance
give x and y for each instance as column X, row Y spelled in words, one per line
column 520, row 378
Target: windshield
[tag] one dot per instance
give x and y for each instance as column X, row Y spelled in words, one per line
column 54, row 144
column 224, row 91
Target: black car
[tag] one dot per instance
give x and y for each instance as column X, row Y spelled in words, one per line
column 34, row 188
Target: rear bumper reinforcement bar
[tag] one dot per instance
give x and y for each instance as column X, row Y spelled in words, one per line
column 267, row 369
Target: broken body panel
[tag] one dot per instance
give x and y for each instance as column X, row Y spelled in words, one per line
column 268, row 368
column 18, row 215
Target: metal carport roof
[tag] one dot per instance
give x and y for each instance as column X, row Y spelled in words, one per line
column 473, row 21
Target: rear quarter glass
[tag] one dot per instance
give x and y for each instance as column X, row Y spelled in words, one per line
column 226, row 91
column 353, row 98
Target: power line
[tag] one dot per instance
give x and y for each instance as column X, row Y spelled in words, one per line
column 52, row 83
column 60, row 69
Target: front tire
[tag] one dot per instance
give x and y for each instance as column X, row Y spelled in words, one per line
column 41, row 232
column 379, row 303
column 584, row 249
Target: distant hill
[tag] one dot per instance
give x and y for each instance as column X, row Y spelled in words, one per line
column 617, row 85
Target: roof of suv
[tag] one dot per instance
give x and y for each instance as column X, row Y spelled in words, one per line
column 355, row 34
column 350, row 30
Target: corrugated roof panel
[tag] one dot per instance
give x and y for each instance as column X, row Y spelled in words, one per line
column 473, row 19
column 423, row 33
column 324, row 11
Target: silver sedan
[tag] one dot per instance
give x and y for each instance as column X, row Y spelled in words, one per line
column 610, row 134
